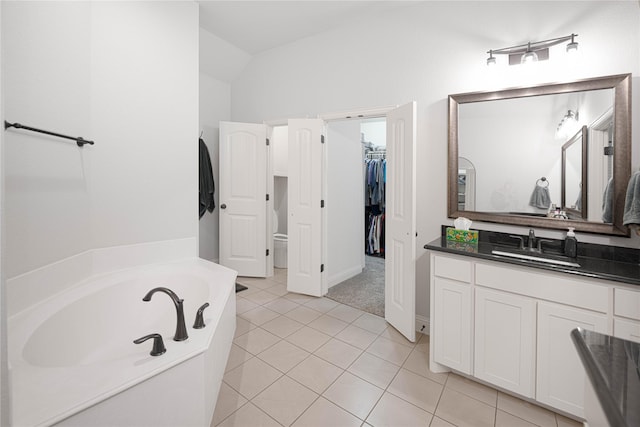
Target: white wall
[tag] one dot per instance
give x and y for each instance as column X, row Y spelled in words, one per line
column 215, row 106
column 425, row 52
column 124, row 74
column 5, row 394
column 344, row 201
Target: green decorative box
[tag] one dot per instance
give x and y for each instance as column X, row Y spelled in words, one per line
column 464, row 236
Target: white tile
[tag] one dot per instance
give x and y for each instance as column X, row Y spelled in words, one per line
column 282, row 326
column 439, row 422
column 345, row 313
column 259, row 315
column 279, row 290
column 315, row 373
column 324, row 413
column 504, row 419
column 417, row 390
column 392, row 334
column 282, row 305
column 243, row 305
column 327, row 324
column 356, row 336
column 371, row 323
column 393, row 411
column 228, row 402
column 321, row 304
column 473, row 389
column 339, row 353
column 462, row 410
column 237, row 356
column 251, row 377
column 418, row 362
column 525, row 410
column 256, row 340
column 249, row 416
column 373, row 369
column 299, row 298
column 261, row 297
column 390, row 351
column 353, row 394
column 285, row 400
column 283, row 356
column 567, row 422
column 243, row 326
column 303, row 314
column 308, row 339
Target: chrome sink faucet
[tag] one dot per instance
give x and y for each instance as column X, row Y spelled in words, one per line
column 181, row 329
column 531, row 241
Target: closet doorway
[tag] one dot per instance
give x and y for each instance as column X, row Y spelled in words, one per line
column 356, row 166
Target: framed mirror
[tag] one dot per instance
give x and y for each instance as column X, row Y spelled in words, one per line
column 515, row 137
column 574, row 194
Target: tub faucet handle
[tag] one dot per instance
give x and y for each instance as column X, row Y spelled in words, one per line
column 158, row 344
column 199, row 323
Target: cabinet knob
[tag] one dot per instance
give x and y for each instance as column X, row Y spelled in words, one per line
column 223, row 206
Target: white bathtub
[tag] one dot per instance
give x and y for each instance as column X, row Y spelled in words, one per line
column 73, row 362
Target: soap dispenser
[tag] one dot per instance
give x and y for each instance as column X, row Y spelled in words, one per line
column 571, row 244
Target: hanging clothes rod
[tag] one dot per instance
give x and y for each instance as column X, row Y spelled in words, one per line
column 79, row 140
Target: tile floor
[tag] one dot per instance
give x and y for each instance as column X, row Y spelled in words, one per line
column 303, row 361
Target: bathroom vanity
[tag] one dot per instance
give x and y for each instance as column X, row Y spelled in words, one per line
column 507, row 321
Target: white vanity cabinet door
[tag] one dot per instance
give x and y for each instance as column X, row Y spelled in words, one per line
column 505, row 340
column 561, row 376
column 452, row 326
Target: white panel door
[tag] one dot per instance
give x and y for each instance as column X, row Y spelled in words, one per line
column 305, row 225
column 243, row 204
column 505, row 326
column 400, row 221
column 561, row 375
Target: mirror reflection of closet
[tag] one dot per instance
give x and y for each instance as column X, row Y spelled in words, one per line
column 466, row 185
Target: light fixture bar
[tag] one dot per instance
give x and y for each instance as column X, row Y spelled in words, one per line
column 541, row 49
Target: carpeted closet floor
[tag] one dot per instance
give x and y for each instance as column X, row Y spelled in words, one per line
column 364, row 291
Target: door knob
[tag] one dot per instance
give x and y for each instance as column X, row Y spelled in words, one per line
column 223, row 206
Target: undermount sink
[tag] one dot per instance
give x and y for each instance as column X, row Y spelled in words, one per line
column 538, row 257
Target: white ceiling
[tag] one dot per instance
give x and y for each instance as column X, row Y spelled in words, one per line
column 256, row 26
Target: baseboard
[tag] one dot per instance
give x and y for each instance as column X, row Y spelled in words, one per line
column 422, row 325
column 344, row 275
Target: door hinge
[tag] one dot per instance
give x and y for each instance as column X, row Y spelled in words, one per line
column 321, row 268
column 608, row 151
column 267, row 141
column 322, row 203
column 322, row 139
column 267, row 252
column 267, row 197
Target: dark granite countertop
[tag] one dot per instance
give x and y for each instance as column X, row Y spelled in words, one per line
column 596, row 261
column 613, row 367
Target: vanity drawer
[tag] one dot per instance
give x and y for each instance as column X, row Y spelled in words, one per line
column 626, row 329
column 626, row 303
column 560, row 288
column 452, row 268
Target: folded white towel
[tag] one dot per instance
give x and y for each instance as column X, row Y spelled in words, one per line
column 632, row 201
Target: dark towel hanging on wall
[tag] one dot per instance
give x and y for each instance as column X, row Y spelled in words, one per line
column 207, row 187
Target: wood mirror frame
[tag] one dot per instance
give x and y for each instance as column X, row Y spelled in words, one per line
column 621, row 84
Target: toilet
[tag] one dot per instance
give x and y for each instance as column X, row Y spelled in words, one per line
column 279, row 245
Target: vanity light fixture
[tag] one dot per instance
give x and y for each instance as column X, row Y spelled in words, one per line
column 532, row 51
column 568, row 124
